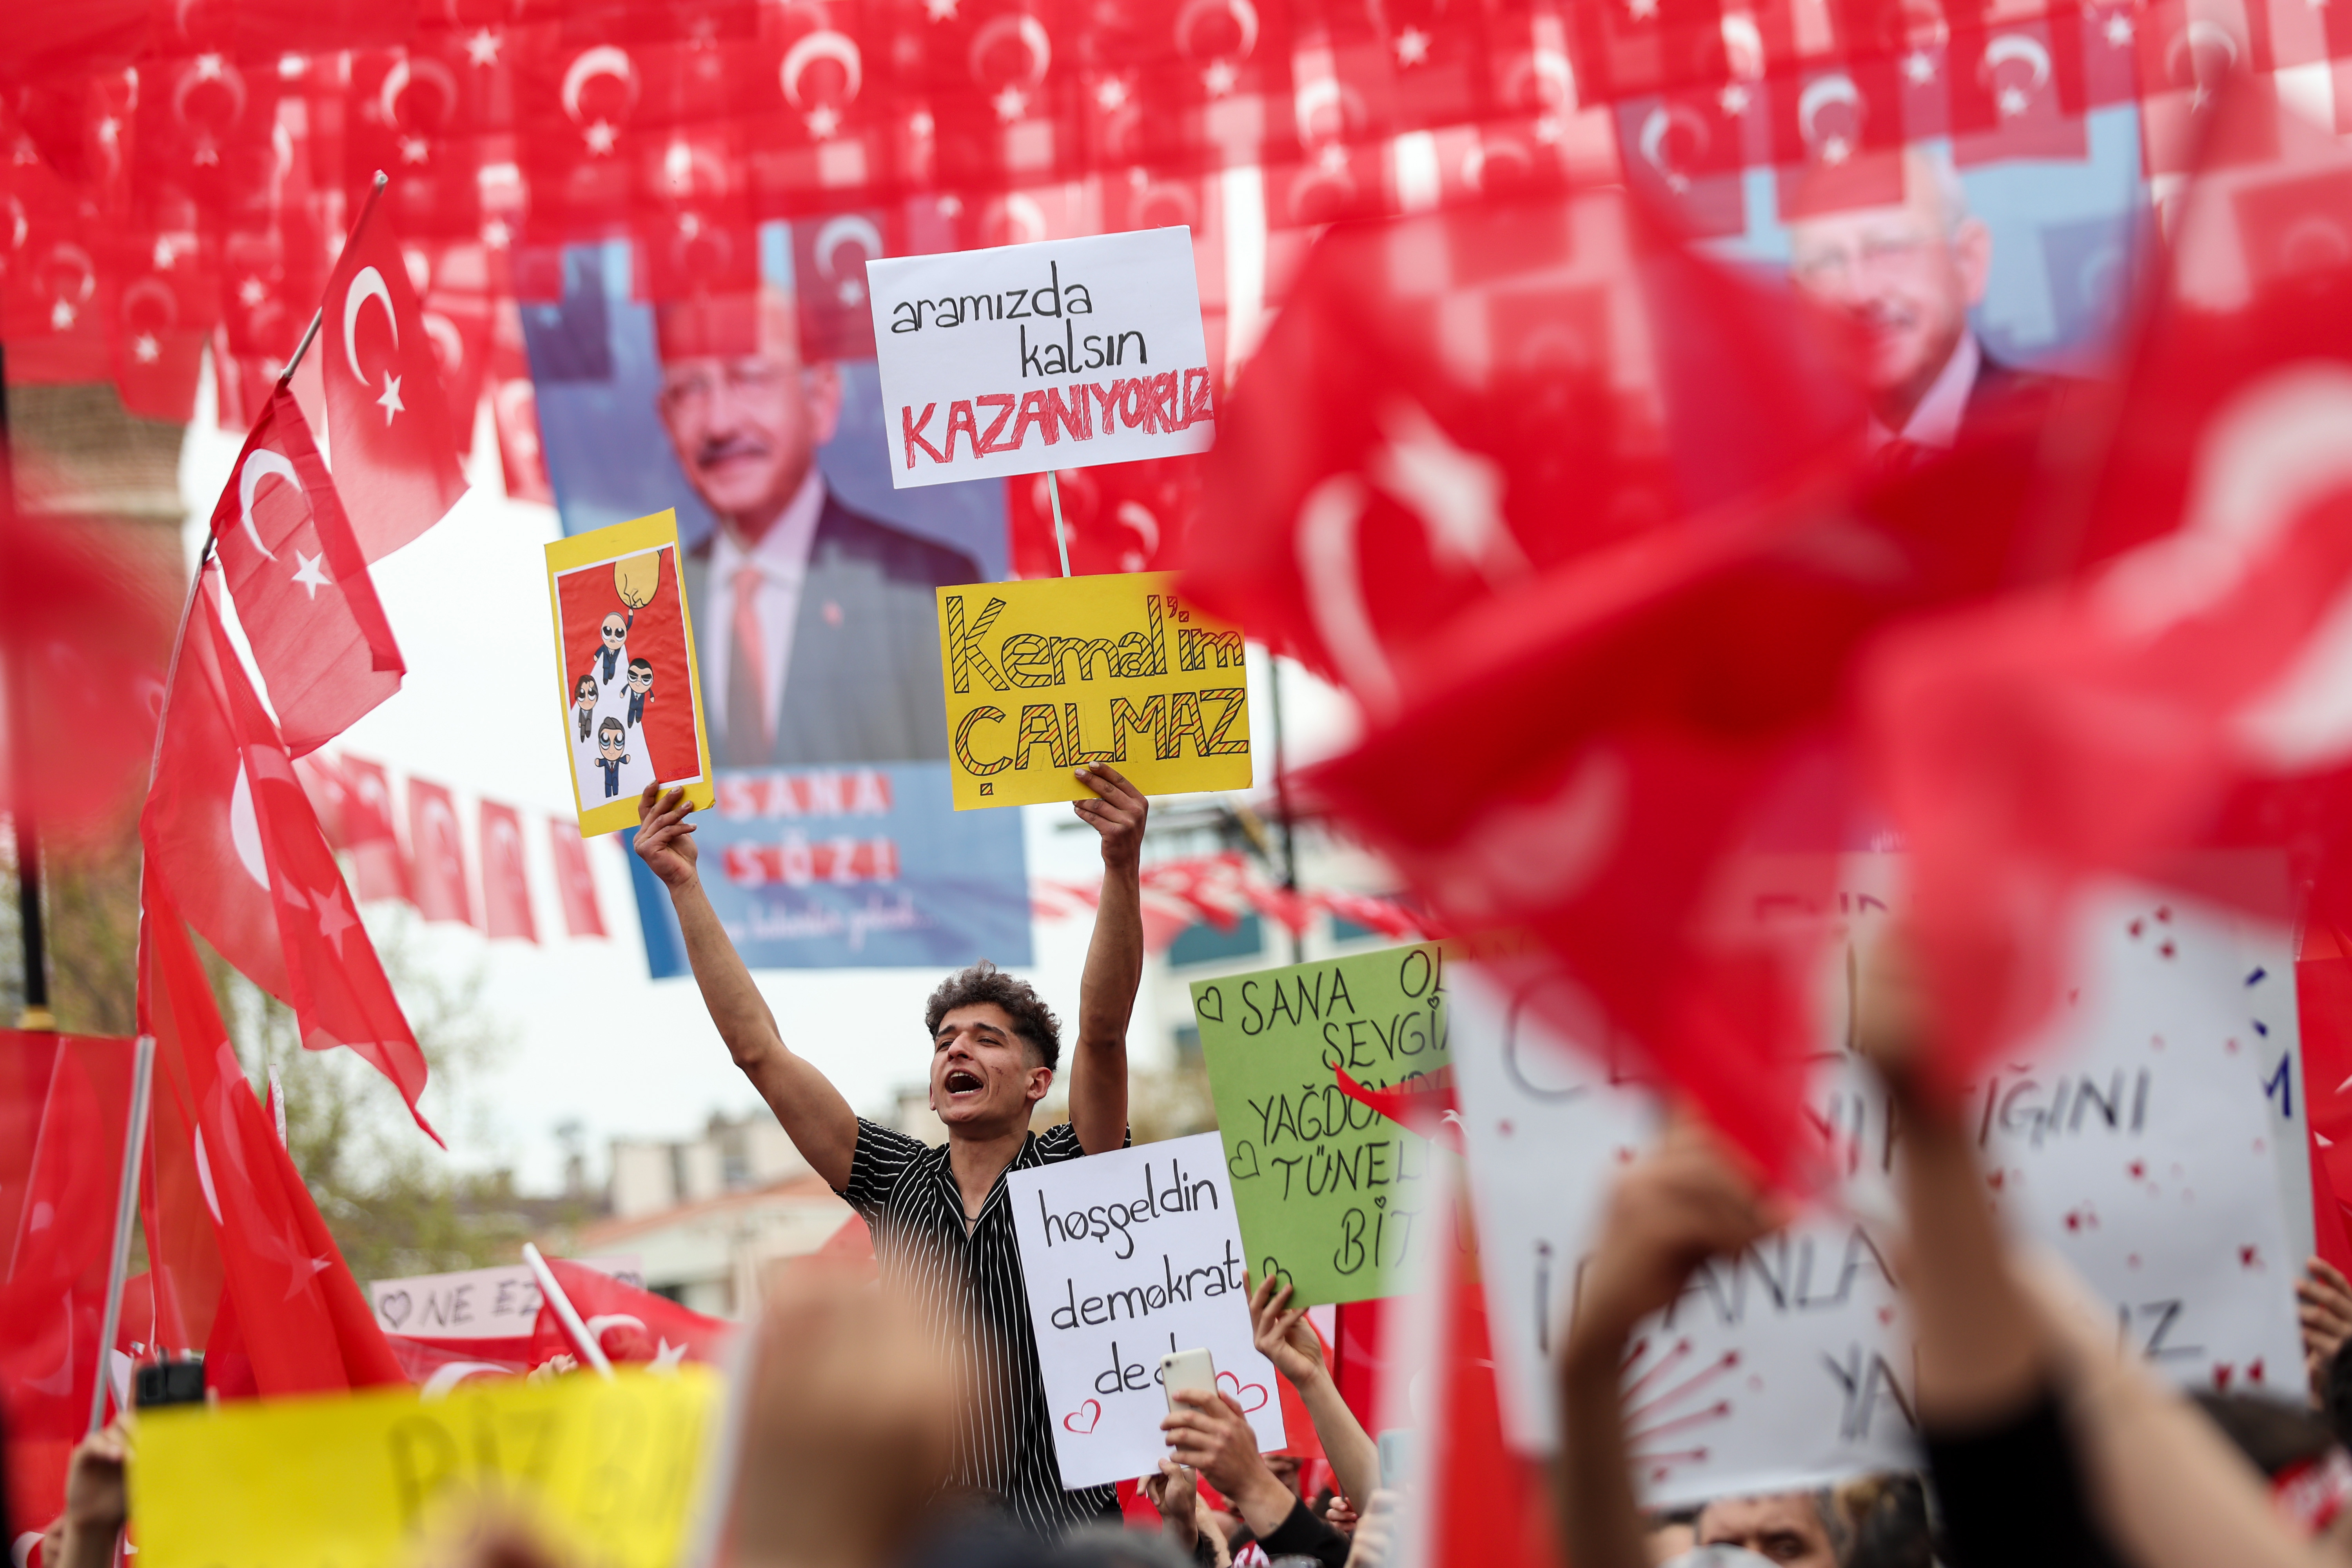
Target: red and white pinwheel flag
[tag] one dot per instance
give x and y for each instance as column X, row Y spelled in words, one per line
column 303, row 595
column 386, row 417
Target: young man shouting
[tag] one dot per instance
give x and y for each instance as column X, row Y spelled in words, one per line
column 943, row 1227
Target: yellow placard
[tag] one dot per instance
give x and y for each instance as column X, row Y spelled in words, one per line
column 608, row 1471
column 1048, row 676
column 622, row 732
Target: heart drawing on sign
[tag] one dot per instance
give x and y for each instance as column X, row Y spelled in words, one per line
column 1241, row 1391
column 1233, row 1160
column 393, row 1308
column 1089, row 1412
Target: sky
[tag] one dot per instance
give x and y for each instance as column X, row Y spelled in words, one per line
column 587, row 1035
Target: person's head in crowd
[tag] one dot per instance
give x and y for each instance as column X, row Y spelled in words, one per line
column 744, row 415
column 994, row 1047
column 1905, row 276
column 1109, row 1546
column 1672, row 1532
column 1799, row 1529
column 2309, row 1474
column 1887, row 1523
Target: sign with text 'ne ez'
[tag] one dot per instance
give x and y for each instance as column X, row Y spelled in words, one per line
column 607, row 1472
column 1328, row 1191
column 1059, row 673
column 1058, row 355
column 1128, row 1256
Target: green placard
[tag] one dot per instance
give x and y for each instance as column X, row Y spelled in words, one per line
column 1331, row 1193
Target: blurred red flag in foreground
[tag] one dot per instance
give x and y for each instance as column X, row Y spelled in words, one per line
column 628, row 1324
column 2193, row 689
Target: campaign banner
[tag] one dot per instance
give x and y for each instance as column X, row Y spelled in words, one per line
column 842, row 867
column 604, row 1471
column 1060, row 673
column 1127, row 1256
column 1060, row 354
column 477, row 1304
column 2139, row 1137
column 809, row 579
column 1331, row 1191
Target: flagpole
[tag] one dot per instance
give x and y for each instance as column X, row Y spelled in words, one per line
column 319, row 315
column 134, row 1141
column 565, row 1313
column 1061, row 540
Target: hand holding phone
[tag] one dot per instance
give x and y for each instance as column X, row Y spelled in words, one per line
column 1187, row 1369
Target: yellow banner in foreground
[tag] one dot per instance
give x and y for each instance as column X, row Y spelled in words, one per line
column 1051, row 674
column 607, row 1470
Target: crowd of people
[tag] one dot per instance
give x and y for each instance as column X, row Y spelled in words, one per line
column 903, row 1422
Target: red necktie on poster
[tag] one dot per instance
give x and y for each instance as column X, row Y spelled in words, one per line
column 303, row 595
column 386, row 417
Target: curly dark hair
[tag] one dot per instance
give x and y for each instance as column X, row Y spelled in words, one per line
column 983, row 982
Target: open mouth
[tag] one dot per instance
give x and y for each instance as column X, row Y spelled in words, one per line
column 962, row 1081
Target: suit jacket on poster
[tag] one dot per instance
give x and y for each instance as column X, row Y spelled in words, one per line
column 863, row 682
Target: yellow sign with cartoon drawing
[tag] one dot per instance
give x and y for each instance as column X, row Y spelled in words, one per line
column 1051, row 675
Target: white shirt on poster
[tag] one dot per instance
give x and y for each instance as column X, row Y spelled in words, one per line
column 1936, row 422
column 782, row 556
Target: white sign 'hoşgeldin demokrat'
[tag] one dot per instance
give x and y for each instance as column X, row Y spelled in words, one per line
column 1058, row 355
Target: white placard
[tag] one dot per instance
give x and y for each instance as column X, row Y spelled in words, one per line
column 1056, row 354
column 476, row 1303
column 2136, row 1138
column 1128, row 1256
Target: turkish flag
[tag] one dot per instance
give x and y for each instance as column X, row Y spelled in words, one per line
column 386, row 417
column 1118, row 517
column 54, row 1299
column 1683, row 155
column 378, row 869
column 506, row 886
column 438, row 854
column 288, row 1314
column 281, row 532
column 229, row 831
column 628, row 1324
column 574, row 883
column 2017, row 92
column 514, row 409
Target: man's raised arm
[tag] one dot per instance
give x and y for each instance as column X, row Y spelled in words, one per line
column 820, row 1122
column 1114, row 964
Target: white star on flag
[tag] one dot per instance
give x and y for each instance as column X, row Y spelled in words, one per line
column 414, row 149
column 600, row 137
column 1734, row 98
column 1218, row 78
column 308, row 574
column 252, row 293
column 390, row 401
column 667, row 1357
column 1836, row 149
column 1918, row 68
column 164, row 256
column 1412, row 47
column 1332, row 159
column 2013, row 102
column 61, row 316
column 209, row 68
column 145, row 348
column 495, row 234
column 2119, row 30
column 823, row 120
column 1111, row 93
column 1641, row 10
column 335, row 916
column 1011, row 103
column 941, row 10
column 482, row 48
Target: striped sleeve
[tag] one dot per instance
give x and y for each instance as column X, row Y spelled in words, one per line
column 880, row 1159
column 1060, row 1142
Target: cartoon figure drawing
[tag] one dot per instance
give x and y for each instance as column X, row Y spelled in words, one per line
column 613, row 748
column 616, row 643
column 641, row 688
column 583, row 706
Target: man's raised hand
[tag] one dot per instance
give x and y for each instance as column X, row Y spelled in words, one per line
column 665, row 838
column 1282, row 1335
column 1117, row 811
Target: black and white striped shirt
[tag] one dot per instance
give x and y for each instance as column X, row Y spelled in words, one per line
column 969, row 1289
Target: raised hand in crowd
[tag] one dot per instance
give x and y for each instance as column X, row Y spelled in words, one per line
column 1208, row 1431
column 846, row 1433
column 1375, row 1532
column 97, row 1504
column 1184, row 1514
column 1685, row 1202
column 1285, row 1338
column 2323, row 1304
